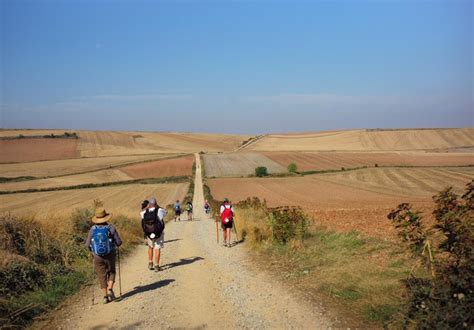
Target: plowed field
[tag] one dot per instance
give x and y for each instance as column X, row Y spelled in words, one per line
column 162, row 168
column 29, row 150
column 307, row 161
column 238, row 164
column 369, row 140
column 48, row 206
column 69, row 166
column 355, row 200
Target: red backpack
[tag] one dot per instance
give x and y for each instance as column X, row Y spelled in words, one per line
column 227, row 214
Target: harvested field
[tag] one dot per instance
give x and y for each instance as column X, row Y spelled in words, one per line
column 307, row 161
column 29, row 150
column 369, row 140
column 162, row 168
column 94, row 144
column 69, row 166
column 181, row 166
column 238, row 164
column 356, row 200
column 48, row 206
column 95, row 177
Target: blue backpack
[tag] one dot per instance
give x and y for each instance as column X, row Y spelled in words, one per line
column 101, row 242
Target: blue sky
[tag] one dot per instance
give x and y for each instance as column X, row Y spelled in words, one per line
column 236, row 67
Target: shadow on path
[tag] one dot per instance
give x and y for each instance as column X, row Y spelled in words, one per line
column 145, row 288
column 181, row 262
column 173, row 240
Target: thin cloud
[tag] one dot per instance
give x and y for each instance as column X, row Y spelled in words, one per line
column 136, row 97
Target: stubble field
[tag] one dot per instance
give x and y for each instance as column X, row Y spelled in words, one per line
column 354, row 200
column 58, row 205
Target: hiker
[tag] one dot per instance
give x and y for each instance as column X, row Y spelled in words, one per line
column 207, row 207
column 101, row 240
column 177, row 211
column 153, row 226
column 227, row 220
column 189, row 210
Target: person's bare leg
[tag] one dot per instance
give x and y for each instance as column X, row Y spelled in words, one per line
column 157, row 257
column 150, row 255
column 228, row 235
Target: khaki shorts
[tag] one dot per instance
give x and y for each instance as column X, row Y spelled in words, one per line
column 156, row 243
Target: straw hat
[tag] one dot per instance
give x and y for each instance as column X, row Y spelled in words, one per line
column 101, row 216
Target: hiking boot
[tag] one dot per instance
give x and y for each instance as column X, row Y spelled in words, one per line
column 111, row 295
column 150, row 266
column 157, row 268
column 106, row 300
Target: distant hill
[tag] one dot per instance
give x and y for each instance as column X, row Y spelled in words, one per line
column 440, row 139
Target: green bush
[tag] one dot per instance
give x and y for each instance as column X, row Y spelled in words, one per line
column 261, row 171
column 287, row 223
column 446, row 299
column 292, row 168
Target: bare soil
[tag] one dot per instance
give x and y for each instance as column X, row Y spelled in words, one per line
column 161, row 168
column 29, row 150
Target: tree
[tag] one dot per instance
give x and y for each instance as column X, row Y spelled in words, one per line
column 261, row 171
column 292, row 168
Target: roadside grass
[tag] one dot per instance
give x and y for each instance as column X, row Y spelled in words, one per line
column 359, row 274
column 41, row 264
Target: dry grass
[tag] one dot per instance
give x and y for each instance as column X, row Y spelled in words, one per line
column 238, row 164
column 307, row 161
column 363, row 140
column 125, row 200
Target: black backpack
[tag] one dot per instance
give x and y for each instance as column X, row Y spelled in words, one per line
column 152, row 224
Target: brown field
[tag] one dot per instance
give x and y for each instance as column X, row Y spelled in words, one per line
column 29, row 150
column 363, row 140
column 307, row 161
column 109, row 143
column 69, row 166
column 125, row 143
column 126, row 200
column 355, row 200
column 181, row 166
column 162, row 168
column 238, row 164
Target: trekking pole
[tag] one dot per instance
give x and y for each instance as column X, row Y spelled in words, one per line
column 235, row 230
column 120, row 276
column 93, row 281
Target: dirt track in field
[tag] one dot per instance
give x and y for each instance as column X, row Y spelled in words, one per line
column 203, row 285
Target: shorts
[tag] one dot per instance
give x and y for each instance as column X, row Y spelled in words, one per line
column 156, row 243
column 227, row 225
column 177, row 212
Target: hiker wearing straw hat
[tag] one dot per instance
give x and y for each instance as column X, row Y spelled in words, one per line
column 101, row 240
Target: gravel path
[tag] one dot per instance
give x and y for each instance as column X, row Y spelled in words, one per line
column 202, row 285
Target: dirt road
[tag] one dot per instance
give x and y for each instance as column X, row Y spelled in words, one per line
column 202, row 285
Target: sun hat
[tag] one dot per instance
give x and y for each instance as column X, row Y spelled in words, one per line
column 101, row 216
column 152, row 200
column 226, row 200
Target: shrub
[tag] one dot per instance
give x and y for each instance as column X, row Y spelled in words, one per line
column 446, row 299
column 261, row 171
column 292, row 168
column 287, row 223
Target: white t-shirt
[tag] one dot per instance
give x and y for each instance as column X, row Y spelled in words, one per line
column 161, row 213
column 223, row 207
